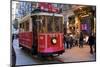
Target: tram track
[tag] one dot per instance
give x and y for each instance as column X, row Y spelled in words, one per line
column 47, row 60
column 43, row 59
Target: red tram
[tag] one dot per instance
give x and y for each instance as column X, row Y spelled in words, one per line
column 42, row 33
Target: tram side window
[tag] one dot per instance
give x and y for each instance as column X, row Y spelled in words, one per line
column 56, row 20
column 27, row 26
column 24, row 26
column 34, row 24
column 21, row 27
column 43, row 24
column 50, row 22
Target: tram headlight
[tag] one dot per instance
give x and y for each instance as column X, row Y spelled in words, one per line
column 54, row 40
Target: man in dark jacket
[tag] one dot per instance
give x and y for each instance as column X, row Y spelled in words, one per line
column 91, row 42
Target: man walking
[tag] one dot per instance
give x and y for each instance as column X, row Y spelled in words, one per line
column 91, row 42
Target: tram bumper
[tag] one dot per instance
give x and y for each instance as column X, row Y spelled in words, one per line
column 51, row 53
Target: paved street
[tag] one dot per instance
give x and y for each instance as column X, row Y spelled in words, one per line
column 71, row 55
column 25, row 58
column 77, row 54
column 22, row 58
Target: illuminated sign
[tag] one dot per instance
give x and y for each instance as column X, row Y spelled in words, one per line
column 48, row 7
column 84, row 26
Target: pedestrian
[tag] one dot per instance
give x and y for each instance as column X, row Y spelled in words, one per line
column 81, row 40
column 12, row 37
column 67, row 40
column 64, row 41
column 91, row 42
column 94, row 42
column 76, row 41
column 13, row 59
column 71, row 41
column 86, row 39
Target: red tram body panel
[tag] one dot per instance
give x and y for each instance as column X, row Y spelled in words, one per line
column 25, row 39
column 45, row 44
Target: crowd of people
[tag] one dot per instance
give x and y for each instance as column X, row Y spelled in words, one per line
column 71, row 40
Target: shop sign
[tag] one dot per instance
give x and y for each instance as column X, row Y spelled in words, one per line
column 48, row 7
column 84, row 26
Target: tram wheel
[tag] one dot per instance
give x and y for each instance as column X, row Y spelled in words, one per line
column 55, row 55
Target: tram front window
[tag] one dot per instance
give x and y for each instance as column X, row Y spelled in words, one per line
column 55, row 24
column 49, row 24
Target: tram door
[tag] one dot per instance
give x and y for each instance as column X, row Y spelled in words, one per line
column 38, row 23
column 35, row 22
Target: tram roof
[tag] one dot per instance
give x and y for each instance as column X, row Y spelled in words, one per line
column 41, row 13
column 48, row 14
